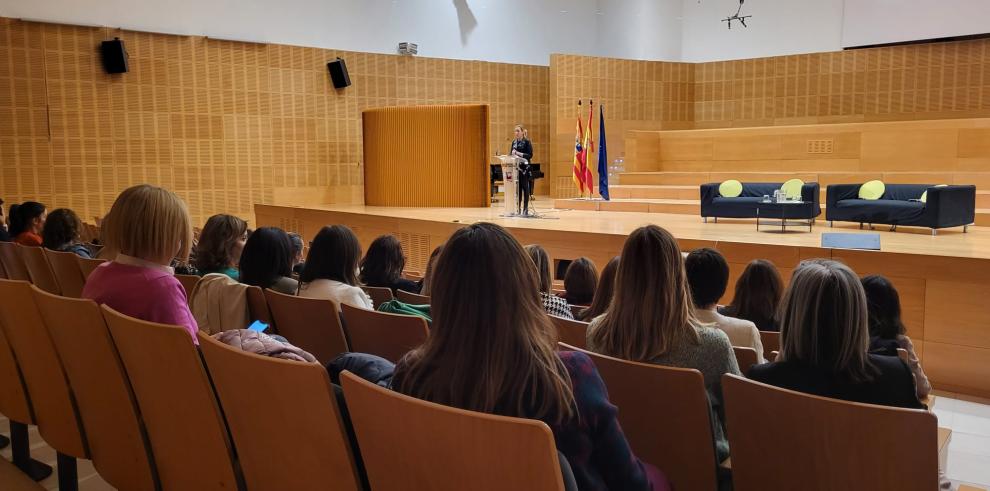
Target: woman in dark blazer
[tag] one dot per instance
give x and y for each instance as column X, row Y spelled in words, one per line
column 523, row 148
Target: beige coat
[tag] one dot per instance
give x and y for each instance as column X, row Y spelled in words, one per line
column 219, row 304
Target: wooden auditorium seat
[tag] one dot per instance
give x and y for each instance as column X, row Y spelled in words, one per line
column 115, row 433
column 379, row 295
column 67, row 272
column 88, row 265
column 51, row 399
column 770, row 341
column 407, row 443
column 185, row 427
column 745, row 357
column 258, row 308
column 188, row 282
column 571, row 332
column 782, row 439
column 12, row 479
column 309, row 323
column 283, row 419
column 665, row 415
column 411, row 298
column 13, row 263
column 383, row 334
column 41, row 272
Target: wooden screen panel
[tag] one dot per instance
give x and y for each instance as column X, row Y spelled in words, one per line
column 426, row 156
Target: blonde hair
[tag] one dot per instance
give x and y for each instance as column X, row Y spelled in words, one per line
column 525, row 132
column 148, row 222
column 824, row 320
column 651, row 310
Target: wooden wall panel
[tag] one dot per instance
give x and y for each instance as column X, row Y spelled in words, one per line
column 426, row 156
column 224, row 124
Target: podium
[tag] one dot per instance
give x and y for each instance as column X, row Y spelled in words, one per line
column 510, row 180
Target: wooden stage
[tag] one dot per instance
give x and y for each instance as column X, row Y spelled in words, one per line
column 943, row 280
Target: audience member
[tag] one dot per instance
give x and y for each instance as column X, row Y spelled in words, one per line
column 887, row 332
column 708, row 275
column 425, row 283
column 266, row 261
column 61, row 233
column 331, row 268
column 220, row 245
column 492, row 349
column 146, row 227
column 553, row 304
column 603, row 294
column 824, row 330
column 580, row 281
column 757, row 295
column 27, row 220
column 651, row 320
column 383, row 263
column 297, row 253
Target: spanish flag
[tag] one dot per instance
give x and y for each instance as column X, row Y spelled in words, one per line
column 580, row 163
column 587, row 148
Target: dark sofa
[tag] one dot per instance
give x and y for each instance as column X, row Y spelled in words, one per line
column 947, row 206
column 744, row 206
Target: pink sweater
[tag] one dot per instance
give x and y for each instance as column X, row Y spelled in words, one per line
column 144, row 293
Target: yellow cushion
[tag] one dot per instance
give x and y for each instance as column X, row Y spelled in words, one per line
column 730, row 189
column 924, row 195
column 871, row 190
column 792, row 189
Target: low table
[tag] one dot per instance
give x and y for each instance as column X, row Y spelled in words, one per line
column 779, row 211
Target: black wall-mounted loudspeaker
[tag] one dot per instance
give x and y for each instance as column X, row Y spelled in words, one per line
column 338, row 74
column 114, row 56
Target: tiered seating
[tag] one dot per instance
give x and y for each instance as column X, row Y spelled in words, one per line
column 311, row 324
column 379, row 333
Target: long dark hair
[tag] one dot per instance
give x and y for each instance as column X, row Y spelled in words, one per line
column 267, row 257
column 383, row 262
column 61, row 228
column 580, row 281
column 603, row 294
column 333, row 255
column 883, row 305
column 213, row 252
column 22, row 215
column 757, row 294
column 491, row 347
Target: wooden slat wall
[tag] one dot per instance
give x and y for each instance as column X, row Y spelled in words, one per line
column 427, row 156
column 224, row 124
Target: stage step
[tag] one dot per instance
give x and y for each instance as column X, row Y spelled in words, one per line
column 642, row 191
column 979, row 179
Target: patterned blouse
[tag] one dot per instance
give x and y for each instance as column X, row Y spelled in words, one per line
column 555, row 305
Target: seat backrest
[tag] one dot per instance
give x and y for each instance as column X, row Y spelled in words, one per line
column 770, row 341
column 745, row 357
column 258, row 307
column 407, row 443
column 114, row 431
column 782, row 439
column 309, row 323
column 13, row 264
column 54, row 407
column 14, row 401
column 410, row 298
column 88, row 265
column 42, row 275
column 572, row 332
column 379, row 295
column 665, row 415
column 283, row 418
column 383, row 334
column 67, row 273
column 188, row 282
column 187, row 433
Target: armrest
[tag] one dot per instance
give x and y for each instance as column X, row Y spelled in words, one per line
column 952, row 205
column 838, row 192
column 709, row 192
column 810, row 193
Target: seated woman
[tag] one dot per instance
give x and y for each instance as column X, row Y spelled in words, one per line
column 553, row 304
column 580, row 281
column 266, row 261
column 492, row 349
column 298, row 260
column 424, row 284
column 651, row 319
column 331, row 268
column 603, row 293
column 27, row 220
column 887, row 332
column 824, row 330
column 146, row 227
column 383, row 263
column 708, row 275
column 220, row 245
column 61, row 233
column 757, row 295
